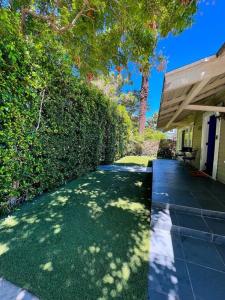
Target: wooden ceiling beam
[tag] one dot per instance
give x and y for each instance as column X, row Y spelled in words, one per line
column 166, row 116
column 205, row 108
column 173, row 101
column 210, row 90
column 168, row 110
column 209, row 93
column 192, row 94
column 215, row 84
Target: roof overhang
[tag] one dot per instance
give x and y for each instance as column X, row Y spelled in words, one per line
column 185, row 87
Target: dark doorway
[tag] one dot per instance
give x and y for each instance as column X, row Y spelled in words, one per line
column 183, row 139
column 211, row 144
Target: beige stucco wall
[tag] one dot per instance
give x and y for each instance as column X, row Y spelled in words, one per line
column 197, row 136
column 221, row 156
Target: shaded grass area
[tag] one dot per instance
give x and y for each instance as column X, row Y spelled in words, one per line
column 86, row 240
column 135, row 160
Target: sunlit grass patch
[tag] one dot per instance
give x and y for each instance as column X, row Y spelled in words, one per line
column 87, row 240
column 135, row 160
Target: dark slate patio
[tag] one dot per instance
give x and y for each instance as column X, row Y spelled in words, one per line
column 173, row 184
column 187, row 248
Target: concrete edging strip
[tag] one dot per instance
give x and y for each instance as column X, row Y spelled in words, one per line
column 9, row 291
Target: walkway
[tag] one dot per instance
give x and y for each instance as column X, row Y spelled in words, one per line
column 187, row 259
column 119, row 168
column 173, row 185
column 9, row 291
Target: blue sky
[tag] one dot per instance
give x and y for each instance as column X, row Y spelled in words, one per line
column 204, row 38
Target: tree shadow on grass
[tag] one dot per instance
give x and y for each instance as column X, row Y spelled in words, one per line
column 86, row 240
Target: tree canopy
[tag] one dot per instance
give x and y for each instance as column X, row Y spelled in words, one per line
column 51, row 120
column 111, row 85
column 101, row 33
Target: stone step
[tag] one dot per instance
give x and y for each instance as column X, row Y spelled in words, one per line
column 188, row 224
column 189, row 209
column 9, row 291
column 122, row 168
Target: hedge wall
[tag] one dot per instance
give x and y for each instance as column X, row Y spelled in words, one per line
column 53, row 127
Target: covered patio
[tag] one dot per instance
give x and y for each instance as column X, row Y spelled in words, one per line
column 187, row 252
column 173, row 184
column 192, row 101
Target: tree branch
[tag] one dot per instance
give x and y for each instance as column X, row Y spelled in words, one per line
column 51, row 19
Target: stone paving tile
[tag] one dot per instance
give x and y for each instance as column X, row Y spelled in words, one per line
column 197, row 234
column 9, row 291
column 116, row 168
column 184, row 223
column 154, row 295
column 211, row 204
column 217, row 226
column 184, row 267
column 166, row 244
column 207, row 284
column 187, row 200
column 169, row 276
column 221, row 250
column 191, row 221
column 161, row 196
column 163, row 218
column 169, row 264
column 202, row 252
column 170, row 177
column 218, row 239
column 217, row 190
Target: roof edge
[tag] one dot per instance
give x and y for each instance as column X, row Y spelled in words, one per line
column 221, row 50
column 188, row 66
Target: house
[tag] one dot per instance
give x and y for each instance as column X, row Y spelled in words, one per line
column 187, row 254
column 193, row 102
column 171, row 134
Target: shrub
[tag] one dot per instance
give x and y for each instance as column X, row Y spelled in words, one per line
column 53, row 127
column 135, row 148
column 153, row 134
column 146, row 143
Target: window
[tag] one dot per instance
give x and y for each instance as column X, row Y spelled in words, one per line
column 185, row 136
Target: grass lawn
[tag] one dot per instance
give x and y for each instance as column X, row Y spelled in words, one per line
column 87, row 240
column 134, row 160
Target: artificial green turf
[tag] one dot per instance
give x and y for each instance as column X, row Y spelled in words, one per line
column 86, row 240
column 134, row 160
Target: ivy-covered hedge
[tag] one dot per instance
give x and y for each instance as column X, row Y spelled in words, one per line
column 53, row 127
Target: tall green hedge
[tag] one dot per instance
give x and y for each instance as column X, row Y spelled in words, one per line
column 53, row 127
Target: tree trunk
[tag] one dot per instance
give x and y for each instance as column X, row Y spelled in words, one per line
column 143, row 102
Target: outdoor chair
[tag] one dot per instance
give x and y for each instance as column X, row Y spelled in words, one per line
column 181, row 153
column 189, row 156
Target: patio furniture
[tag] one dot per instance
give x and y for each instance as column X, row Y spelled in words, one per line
column 165, row 153
column 181, row 153
column 189, row 156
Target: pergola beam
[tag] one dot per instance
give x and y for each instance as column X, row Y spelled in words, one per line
column 210, row 89
column 166, row 116
column 205, row 108
column 209, row 93
column 173, row 101
column 184, row 87
column 168, row 110
column 192, row 94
